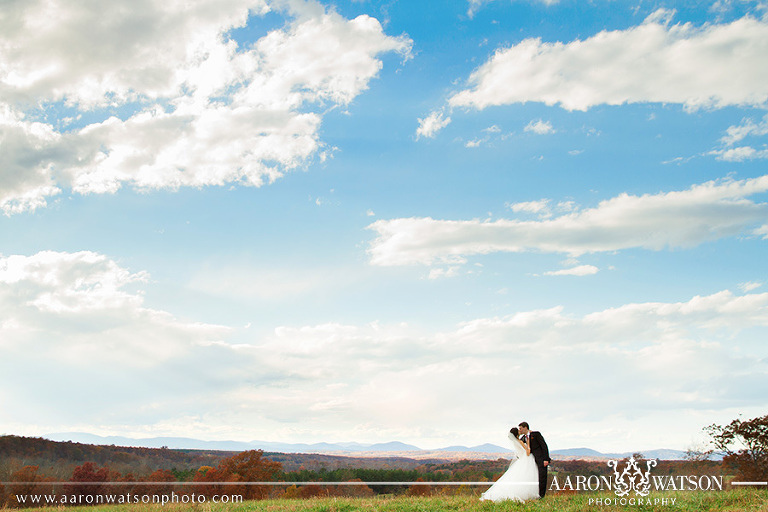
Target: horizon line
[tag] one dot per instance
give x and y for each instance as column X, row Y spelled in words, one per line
column 365, row 445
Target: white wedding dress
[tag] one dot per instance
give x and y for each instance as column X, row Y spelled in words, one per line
column 521, row 480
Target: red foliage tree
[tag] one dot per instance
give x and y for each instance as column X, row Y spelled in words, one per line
column 420, row 489
column 89, row 482
column 26, row 482
column 159, row 482
column 208, row 474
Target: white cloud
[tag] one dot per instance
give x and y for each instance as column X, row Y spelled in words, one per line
column 438, row 273
column 747, row 128
column 211, row 113
column 91, row 54
column 580, row 270
column 398, row 380
column 25, row 178
column 686, row 218
column 653, row 62
column 749, row 286
column 433, row 123
column 54, row 282
column 541, row 207
column 475, row 5
column 740, row 154
column 490, row 135
column 74, row 318
column 78, row 303
column 737, row 133
column 540, row 127
column 75, row 329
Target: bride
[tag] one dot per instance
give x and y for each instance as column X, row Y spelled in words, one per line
column 521, row 480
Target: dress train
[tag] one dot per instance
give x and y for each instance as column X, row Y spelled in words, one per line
column 521, row 480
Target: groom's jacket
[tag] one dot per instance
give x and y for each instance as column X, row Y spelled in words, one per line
column 539, row 448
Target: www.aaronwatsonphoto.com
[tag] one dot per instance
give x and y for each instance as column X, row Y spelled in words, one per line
column 122, row 499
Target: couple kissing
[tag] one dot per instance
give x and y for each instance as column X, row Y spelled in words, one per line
column 526, row 477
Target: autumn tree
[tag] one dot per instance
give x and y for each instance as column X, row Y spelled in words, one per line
column 359, row 490
column 159, row 482
column 314, row 491
column 250, row 466
column 745, row 446
column 26, row 481
column 89, row 481
column 419, row 489
column 208, row 478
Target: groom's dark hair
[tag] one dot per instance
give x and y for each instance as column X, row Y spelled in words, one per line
column 524, row 424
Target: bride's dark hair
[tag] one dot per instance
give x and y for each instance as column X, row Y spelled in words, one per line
column 514, row 431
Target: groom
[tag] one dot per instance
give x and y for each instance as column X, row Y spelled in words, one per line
column 540, row 452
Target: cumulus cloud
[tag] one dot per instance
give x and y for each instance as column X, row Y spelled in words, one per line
column 69, row 282
column 209, row 112
column 653, row 62
column 429, row 126
column 687, row 218
column 541, row 207
column 77, row 303
column 94, row 56
column 540, row 127
column 475, row 143
column 74, row 328
column 740, row 154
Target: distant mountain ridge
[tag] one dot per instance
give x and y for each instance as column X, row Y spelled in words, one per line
column 332, row 448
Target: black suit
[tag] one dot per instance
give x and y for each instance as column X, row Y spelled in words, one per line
column 540, row 452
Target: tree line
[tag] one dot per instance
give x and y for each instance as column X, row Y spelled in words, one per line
column 235, row 475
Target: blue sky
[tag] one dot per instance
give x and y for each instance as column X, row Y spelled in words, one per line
column 368, row 221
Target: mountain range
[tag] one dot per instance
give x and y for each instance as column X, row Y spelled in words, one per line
column 334, row 448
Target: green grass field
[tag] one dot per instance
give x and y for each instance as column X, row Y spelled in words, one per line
column 741, row 500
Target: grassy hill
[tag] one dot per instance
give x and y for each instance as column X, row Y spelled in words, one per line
column 741, row 500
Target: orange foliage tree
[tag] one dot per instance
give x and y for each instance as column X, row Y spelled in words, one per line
column 208, row 474
column 249, row 466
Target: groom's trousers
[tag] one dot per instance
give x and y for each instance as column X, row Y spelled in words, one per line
column 542, row 480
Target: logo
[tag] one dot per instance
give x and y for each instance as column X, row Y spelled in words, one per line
column 632, row 478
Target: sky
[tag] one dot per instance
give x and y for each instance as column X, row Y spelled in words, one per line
column 367, row 221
